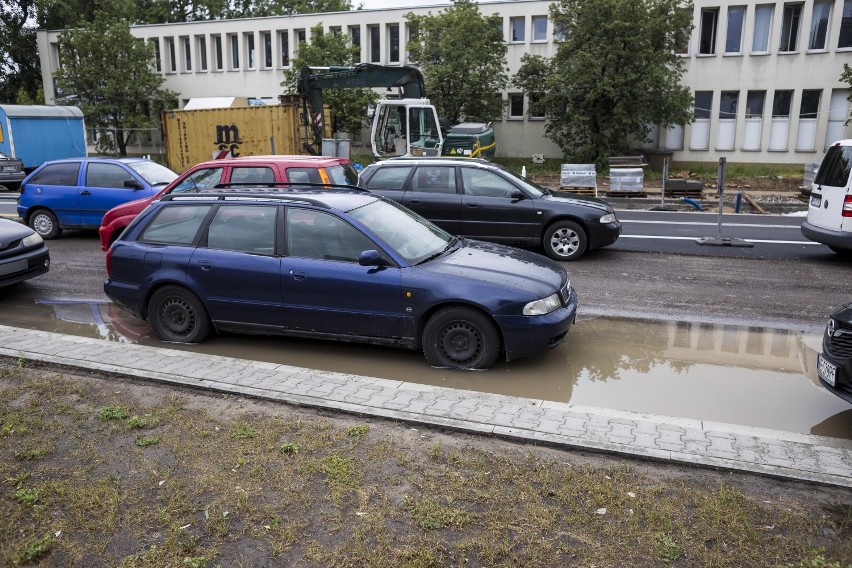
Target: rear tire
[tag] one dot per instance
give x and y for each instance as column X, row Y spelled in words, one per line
column 177, row 315
column 45, row 224
column 461, row 338
column 564, row 241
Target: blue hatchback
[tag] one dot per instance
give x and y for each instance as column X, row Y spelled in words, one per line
column 335, row 264
column 75, row 193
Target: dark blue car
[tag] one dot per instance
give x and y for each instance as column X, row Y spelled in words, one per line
column 335, row 264
column 75, row 193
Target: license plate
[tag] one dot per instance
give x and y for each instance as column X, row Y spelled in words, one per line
column 826, row 370
column 816, row 200
column 10, row 168
column 13, row 267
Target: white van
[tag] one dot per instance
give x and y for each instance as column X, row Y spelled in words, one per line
column 830, row 210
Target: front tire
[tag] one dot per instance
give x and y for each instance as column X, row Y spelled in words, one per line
column 564, row 241
column 45, row 224
column 461, row 338
column 177, row 315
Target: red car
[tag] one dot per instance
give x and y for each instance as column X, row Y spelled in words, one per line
column 249, row 170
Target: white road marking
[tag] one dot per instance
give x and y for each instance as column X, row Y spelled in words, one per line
column 696, row 238
column 709, row 224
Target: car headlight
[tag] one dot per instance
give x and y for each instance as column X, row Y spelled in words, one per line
column 32, row 240
column 543, row 306
column 608, row 218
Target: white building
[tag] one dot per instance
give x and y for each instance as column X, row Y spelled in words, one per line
column 765, row 75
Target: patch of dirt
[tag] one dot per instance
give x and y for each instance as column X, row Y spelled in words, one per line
column 100, row 470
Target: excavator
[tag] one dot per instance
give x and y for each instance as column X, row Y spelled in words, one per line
column 404, row 123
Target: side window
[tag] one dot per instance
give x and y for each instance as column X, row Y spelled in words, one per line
column 314, row 234
column 835, row 167
column 106, row 175
column 344, row 173
column 434, row 179
column 175, row 225
column 252, row 175
column 57, row 174
column 303, row 175
column 389, row 178
column 199, row 180
column 244, row 228
column 485, row 183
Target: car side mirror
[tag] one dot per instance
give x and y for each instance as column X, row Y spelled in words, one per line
column 516, row 194
column 371, row 258
column 132, row 184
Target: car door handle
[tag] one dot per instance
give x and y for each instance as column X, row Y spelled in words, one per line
column 205, row 264
column 473, row 204
column 415, row 201
column 298, row 274
column 85, row 192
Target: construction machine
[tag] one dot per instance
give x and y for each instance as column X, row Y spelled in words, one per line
column 404, row 123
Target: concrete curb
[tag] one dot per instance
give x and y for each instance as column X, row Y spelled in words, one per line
column 768, row 452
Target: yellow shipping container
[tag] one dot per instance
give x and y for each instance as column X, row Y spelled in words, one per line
column 193, row 136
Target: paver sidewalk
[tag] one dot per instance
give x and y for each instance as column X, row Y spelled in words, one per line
column 771, row 452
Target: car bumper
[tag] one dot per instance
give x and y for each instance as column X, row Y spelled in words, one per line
column 604, row 235
column 23, row 267
column 843, row 377
column 527, row 335
column 837, row 239
column 13, row 178
column 125, row 295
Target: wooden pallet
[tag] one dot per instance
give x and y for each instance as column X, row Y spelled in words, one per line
column 579, row 190
column 691, row 193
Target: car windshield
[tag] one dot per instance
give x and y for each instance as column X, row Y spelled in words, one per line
column 343, row 174
column 410, row 235
column 533, row 188
column 153, row 173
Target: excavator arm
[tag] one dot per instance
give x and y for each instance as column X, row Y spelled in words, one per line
column 313, row 80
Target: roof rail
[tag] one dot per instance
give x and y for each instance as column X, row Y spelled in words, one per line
column 246, row 196
column 290, row 184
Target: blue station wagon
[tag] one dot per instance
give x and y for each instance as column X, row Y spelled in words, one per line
column 76, row 193
column 340, row 264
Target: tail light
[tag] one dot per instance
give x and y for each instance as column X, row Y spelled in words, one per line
column 109, row 262
column 847, row 206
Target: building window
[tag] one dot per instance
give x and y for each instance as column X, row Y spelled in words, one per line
column 539, row 28
column 762, row 27
column 790, row 24
column 559, row 32
column 301, row 38
column 235, row 52
column 536, row 108
column 808, row 112
column 267, row 50
column 157, row 57
column 335, row 30
column 516, row 28
column 754, row 104
column 201, row 45
column 727, row 120
column 375, row 44
column 393, row 43
column 170, row 43
column 753, row 124
column 187, row 54
column 701, row 126
column 251, row 54
column 516, row 105
column 217, row 48
column 781, row 104
column 734, row 37
column 285, row 49
column 819, row 25
column 355, row 36
column 709, row 21
column 845, row 39
column 683, row 37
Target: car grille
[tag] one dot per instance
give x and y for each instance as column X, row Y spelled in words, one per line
column 840, row 345
column 12, row 245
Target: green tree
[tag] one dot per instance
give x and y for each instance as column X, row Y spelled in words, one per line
column 463, row 58
column 846, row 77
column 615, row 73
column 348, row 106
column 105, row 71
column 19, row 67
column 164, row 11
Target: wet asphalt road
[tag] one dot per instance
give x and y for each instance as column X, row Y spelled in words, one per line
column 796, row 293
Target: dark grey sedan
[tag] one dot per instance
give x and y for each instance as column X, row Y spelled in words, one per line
column 485, row 201
column 11, row 172
column 23, row 254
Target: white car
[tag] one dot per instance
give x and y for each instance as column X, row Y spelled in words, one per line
column 830, row 210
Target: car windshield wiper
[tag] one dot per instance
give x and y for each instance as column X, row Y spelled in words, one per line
column 447, row 248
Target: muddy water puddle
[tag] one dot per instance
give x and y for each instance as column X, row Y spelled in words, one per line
column 735, row 374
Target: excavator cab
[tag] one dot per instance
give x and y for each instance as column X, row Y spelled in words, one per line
column 406, row 127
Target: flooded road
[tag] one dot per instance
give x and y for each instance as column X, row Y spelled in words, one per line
column 752, row 376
